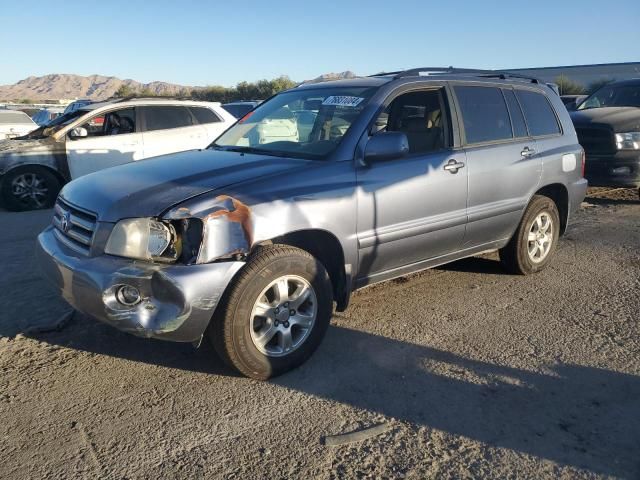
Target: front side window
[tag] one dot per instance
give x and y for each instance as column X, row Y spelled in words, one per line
column 166, row 117
column 419, row 115
column 538, row 112
column 118, row 122
column 304, row 123
column 613, row 96
column 484, row 114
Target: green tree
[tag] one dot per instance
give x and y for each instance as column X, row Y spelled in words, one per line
column 124, row 91
column 568, row 86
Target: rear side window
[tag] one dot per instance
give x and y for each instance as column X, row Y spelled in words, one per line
column 204, row 115
column 165, row 117
column 484, row 114
column 538, row 112
column 517, row 118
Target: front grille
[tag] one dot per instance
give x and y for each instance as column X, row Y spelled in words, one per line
column 74, row 227
column 596, row 140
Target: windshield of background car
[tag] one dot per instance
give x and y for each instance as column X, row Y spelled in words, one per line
column 304, row 123
column 15, row 118
column 56, row 124
column 613, row 96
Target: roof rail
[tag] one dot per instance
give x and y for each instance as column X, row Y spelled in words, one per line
column 451, row 70
column 134, row 97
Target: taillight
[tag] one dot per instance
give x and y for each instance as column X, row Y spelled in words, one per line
column 245, row 118
column 584, row 159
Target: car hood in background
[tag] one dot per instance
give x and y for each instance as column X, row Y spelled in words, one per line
column 621, row 119
column 17, row 152
column 149, row 187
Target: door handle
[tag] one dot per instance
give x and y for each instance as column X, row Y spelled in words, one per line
column 527, row 152
column 452, row 166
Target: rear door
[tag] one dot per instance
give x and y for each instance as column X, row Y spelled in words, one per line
column 170, row 129
column 503, row 166
column 113, row 138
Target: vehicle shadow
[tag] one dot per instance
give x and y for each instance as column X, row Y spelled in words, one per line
column 475, row 265
column 574, row 415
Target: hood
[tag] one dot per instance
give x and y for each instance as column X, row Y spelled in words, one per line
column 8, row 147
column 148, row 188
column 620, row 119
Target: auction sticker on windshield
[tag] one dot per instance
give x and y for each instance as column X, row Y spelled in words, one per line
column 342, row 101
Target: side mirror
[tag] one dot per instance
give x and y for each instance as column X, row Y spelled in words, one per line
column 386, row 146
column 78, row 132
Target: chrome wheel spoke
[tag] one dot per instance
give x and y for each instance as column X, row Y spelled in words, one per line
column 263, row 310
column 264, row 336
column 282, row 290
column 532, row 237
column 285, row 340
column 303, row 321
column 300, row 296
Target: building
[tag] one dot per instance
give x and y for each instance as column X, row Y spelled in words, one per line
column 585, row 74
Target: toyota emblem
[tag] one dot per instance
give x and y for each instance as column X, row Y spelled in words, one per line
column 65, row 222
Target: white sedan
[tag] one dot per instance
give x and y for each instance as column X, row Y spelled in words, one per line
column 14, row 123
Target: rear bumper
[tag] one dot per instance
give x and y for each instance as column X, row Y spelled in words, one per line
column 177, row 300
column 619, row 170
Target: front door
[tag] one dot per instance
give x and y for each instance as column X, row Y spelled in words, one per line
column 412, row 209
column 111, row 139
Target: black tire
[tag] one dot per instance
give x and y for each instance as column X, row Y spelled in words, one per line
column 230, row 330
column 47, row 184
column 515, row 256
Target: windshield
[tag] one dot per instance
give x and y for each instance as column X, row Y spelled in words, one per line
column 613, row 96
column 15, row 118
column 54, row 125
column 304, row 123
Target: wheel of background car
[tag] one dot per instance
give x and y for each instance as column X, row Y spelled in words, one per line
column 29, row 188
column 274, row 314
column 534, row 243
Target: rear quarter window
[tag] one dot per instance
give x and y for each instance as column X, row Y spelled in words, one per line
column 484, row 114
column 204, row 115
column 539, row 114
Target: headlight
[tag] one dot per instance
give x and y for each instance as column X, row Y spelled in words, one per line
column 145, row 239
column 628, row 141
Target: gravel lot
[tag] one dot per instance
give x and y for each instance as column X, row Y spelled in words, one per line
column 474, row 373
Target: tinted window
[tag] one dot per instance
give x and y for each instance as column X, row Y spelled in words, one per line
column 540, row 116
column 204, row 115
column 484, row 114
column 162, row 118
column 517, row 119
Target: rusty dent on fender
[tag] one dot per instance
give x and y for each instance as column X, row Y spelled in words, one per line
column 227, row 228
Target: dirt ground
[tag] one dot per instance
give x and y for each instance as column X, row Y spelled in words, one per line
column 473, row 372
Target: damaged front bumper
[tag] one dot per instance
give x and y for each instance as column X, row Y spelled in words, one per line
column 177, row 301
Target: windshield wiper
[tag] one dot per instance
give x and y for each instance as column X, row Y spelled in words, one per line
column 245, row 149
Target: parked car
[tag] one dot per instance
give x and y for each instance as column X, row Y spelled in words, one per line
column 250, row 244
column 572, row 101
column 240, row 109
column 75, row 105
column 98, row 136
column 44, row 116
column 14, row 123
column 608, row 127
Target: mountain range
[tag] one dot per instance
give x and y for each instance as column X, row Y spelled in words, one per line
column 98, row 87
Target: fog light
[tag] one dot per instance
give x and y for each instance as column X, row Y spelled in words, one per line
column 621, row 171
column 128, row 295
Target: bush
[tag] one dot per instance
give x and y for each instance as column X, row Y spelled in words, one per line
column 568, row 86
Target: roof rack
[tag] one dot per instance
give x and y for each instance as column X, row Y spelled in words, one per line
column 134, row 97
column 412, row 72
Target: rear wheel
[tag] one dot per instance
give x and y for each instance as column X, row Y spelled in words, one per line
column 534, row 243
column 275, row 313
column 29, row 188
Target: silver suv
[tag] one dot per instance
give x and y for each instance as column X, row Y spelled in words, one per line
column 321, row 190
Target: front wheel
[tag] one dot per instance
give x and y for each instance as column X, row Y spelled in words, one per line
column 275, row 313
column 534, row 243
column 29, row 188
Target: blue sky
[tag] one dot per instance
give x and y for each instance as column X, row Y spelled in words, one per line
column 212, row 42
